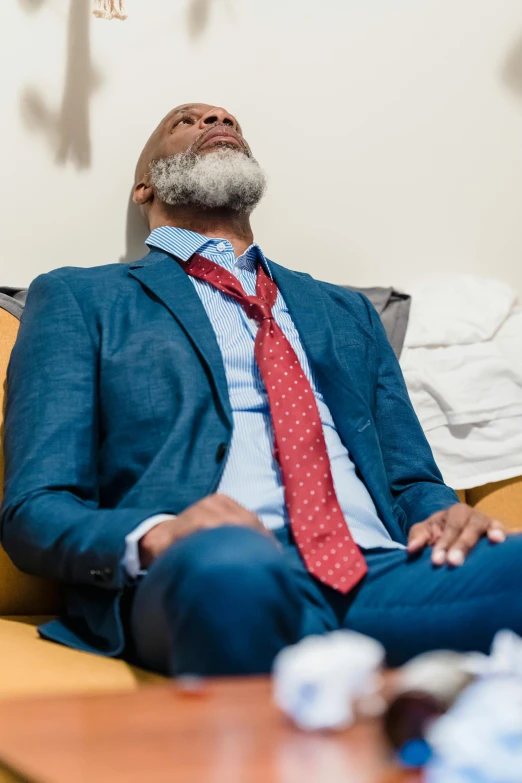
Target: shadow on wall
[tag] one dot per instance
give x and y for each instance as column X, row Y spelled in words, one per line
column 31, row 5
column 198, row 15
column 67, row 129
column 512, row 68
column 136, row 233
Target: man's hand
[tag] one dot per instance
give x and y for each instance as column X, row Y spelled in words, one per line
column 212, row 511
column 453, row 533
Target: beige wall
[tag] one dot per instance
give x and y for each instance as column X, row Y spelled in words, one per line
column 391, row 129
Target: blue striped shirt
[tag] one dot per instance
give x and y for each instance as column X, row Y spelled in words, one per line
column 251, row 475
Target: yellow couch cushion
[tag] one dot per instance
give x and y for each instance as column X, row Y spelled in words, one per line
column 8, row 332
column 23, row 594
column 501, row 500
column 8, row 776
column 31, row 665
column 19, row 593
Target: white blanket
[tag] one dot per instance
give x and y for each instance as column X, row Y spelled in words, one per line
column 462, row 363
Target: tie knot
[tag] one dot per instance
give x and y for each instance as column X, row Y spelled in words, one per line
column 257, row 309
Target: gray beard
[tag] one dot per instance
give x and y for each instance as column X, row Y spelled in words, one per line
column 224, row 179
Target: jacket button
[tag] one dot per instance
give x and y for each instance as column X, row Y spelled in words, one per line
column 221, row 451
column 101, row 576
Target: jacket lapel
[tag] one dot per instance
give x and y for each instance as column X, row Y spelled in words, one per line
column 307, row 307
column 164, row 277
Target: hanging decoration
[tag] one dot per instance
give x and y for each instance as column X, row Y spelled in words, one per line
column 110, row 9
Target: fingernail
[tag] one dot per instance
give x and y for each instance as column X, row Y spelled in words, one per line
column 455, row 557
column 439, row 556
column 498, row 535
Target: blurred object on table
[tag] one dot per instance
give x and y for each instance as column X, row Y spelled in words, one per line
column 321, row 681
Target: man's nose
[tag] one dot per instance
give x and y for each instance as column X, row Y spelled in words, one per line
column 219, row 115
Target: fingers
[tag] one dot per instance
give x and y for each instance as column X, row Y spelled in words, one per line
column 426, row 533
column 496, row 532
column 470, row 536
column 226, row 509
column 463, row 530
column 419, row 537
column 218, row 509
column 232, row 512
column 455, row 520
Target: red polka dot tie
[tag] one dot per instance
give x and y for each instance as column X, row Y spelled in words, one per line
column 318, row 525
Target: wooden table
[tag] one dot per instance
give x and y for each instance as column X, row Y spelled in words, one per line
column 229, row 733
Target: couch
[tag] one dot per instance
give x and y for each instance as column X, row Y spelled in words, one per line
column 31, row 665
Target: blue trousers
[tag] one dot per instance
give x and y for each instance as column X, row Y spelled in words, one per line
column 225, row 601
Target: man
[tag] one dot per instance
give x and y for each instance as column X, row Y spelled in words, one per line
column 217, row 456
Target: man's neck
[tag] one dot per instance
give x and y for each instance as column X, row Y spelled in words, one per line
column 225, row 224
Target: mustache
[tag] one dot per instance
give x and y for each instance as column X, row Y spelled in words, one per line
column 193, row 149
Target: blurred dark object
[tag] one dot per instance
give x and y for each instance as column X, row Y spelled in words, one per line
column 421, row 691
column 408, row 717
column 394, row 310
column 13, row 300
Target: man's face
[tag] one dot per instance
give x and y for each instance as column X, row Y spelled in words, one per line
column 197, row 157
column 200, row 129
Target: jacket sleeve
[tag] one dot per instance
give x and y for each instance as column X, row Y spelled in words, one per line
column 51, row 522
column 414, row 479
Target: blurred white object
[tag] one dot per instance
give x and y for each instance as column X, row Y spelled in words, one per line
column 470, row 455
column 480, row 738
column 110, row 9
column 459, row 310
column 442, row 674
column 505, row 657
column 317, row 681
column 463, row 369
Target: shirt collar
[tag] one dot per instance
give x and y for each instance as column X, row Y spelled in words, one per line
column 182, row 243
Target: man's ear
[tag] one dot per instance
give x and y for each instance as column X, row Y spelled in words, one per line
column 143, row 193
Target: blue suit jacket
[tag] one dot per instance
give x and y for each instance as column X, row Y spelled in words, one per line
column 118, row 408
